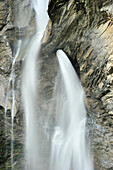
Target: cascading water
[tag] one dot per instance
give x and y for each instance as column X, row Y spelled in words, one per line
column 13, row 100
column 29, row 86
column 11, row 87
column 69, row 149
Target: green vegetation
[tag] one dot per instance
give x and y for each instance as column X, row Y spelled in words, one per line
column 103, row 56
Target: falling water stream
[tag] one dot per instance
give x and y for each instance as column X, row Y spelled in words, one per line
column 69, row 146
column 11, row 87
column 70, row 150
column 29, row 86
column 12, row 78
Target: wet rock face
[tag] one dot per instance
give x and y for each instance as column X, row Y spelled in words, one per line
column 16, row 23
column 6, row 29
column 6, row 142
column 10, row 33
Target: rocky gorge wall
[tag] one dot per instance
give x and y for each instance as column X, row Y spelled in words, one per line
column 15, row 25
column 84, row 30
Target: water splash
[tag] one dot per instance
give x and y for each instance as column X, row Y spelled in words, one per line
column 69, row 148
column 29, row 86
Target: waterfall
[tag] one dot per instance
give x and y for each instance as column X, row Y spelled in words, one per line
column 68, row 147
column 12, row 78
column 11, row 88
column 70, row 150
column 29, row 86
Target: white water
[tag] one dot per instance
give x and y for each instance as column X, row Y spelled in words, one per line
column 29, row 86
column 69, row 146
column 69, row 149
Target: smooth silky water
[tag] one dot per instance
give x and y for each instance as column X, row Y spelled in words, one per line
column 34, row 137
column 69, row 149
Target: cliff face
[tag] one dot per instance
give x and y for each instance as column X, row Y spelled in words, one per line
column 83, row 29
column 14, row 25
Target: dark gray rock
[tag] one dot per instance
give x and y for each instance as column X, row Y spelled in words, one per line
column 83, row 29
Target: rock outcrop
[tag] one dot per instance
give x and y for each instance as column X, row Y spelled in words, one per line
column 12, row 29
column 84, row 29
